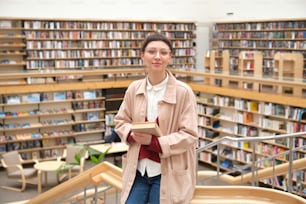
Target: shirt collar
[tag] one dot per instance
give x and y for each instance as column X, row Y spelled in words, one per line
column 159, row 86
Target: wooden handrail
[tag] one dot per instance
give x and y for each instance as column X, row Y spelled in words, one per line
column 58, row 73
column 242, row 194
column 87, row 178
column 281, row 169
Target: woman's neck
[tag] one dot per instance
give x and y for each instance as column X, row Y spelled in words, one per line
column 156, row 78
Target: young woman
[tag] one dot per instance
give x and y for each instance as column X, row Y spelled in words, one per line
column 158, row 169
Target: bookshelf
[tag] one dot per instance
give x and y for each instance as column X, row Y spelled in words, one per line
column 222, row 112
column 250, row 64
column 45, row 45
column 42, row 123
column 288, row 66
column 267, row 36
column 12, row 47
column 59, row 44
column 113, row 100
column 216, row 61
column 239, row 112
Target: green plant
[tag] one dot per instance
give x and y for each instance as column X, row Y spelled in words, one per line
column 94, row 156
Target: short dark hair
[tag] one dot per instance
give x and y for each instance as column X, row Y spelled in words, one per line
column 155, row 37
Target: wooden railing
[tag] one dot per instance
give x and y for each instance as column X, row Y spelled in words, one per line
column 111, row 175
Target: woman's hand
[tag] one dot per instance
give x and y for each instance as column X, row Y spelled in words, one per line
column 142, row 138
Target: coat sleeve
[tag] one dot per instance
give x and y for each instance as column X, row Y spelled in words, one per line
column 123, row 117
column 184, row 134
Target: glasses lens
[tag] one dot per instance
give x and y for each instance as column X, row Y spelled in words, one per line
column 161, row 52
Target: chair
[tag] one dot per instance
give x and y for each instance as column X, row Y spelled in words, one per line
column 71, row 167
column 12, row 162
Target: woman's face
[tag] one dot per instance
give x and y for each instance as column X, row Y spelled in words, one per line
column 156, row 56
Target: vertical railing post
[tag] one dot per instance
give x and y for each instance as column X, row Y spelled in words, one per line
column 253, row 162
column 96, row 194
column 291, row 143
column 84, row 198
column 218, row 160
column 273, row 173
column 197, row 166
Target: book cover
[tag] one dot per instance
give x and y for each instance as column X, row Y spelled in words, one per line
column 89, row 94
column 147, row 127
column 59, row 96
column 31, row 98
column 13, row 99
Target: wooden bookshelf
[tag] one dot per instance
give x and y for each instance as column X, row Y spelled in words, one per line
column 46, row 121
column 288, row 66
column 250, row 64
column 92, row 44
column 216, row 61
column 113, row 100
column 267, row 36
column 12, row 49
column 228, row 112
column 29, row 45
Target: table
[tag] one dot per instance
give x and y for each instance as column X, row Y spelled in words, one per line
column 45, row 167
column 116, row 149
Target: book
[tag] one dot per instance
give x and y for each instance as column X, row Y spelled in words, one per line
column 147, row 127
column 89, row 94
column 59, row 96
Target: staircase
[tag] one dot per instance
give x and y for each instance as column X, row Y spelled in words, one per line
column 106, row 178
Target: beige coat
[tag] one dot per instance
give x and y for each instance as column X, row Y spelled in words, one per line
column 178, row 122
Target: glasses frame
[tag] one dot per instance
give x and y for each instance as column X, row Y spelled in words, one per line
column 162, row 52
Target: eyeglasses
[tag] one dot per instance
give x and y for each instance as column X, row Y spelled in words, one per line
column 153, row 52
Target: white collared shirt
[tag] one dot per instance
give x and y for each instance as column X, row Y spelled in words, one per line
column 154, row 94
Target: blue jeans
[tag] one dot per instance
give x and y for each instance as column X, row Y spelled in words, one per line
column 145, row 190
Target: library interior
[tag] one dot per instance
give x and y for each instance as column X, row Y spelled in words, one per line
column 64, row 74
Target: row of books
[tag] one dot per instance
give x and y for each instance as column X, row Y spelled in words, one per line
column 70, row 64
column 272, row 35
column 46, row 54
column 19, row 145
column 107, row 35
column 56, row 96
column 48, row 139
column 92, row 44
column 10, row 61
column 259, row 44
column 102, row 25
column 84, row 54
column 265, row 108
column 37, row 112
column 20, row 136
column 82, row 63
column 270, row 149
column 88, row 127
column 88, row 117
column 261, row 25
column 266, row 53
column 10, row 24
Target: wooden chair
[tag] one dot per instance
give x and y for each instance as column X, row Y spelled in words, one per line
column 12, row 162
column 71, row 167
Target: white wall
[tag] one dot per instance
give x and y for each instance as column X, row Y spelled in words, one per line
column 204, row 12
